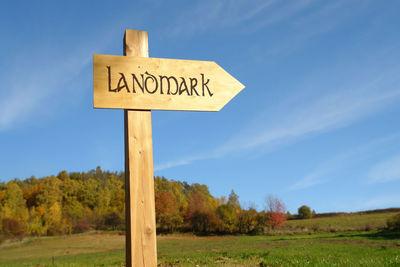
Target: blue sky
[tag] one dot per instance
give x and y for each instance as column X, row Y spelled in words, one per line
column 317, row 124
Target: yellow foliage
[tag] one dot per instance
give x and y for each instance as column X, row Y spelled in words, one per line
column 53, row 219
column 40, row 211
column 36, row 227
column 2, row 193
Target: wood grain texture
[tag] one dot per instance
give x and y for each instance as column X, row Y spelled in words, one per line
column 141, row 247
column 160, row 93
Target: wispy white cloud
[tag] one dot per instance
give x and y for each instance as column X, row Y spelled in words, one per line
column 301, row 120
column 355, row 154
column 43, row 81
column 304, row 24
column 385, row 171
column 314, row 178
column 383, row 201
column 176, row 163
column 322, row 114
column 327, row 15
column 208, row 14
column 39, row 85
column 305, row 18
column 280, row 12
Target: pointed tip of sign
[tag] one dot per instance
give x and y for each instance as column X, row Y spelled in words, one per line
column 238, row 91
column 239, row 84
column 235, row 85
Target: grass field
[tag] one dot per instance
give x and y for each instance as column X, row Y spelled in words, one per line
column 105, row 249
column 345, row 222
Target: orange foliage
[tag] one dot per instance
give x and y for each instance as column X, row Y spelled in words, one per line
column 277, row 212
column 2, row 193
column 168, row 217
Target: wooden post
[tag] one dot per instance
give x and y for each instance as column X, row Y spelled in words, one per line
column 215, row 88
column 141, row 247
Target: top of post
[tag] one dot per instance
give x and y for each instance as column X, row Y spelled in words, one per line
column 136, row 43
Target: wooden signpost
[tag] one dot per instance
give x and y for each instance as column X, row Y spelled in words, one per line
column 136, row 83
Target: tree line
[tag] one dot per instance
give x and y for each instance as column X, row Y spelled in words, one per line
column 76, row 202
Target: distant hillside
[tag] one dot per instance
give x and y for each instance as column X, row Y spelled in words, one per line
column 334, row 214
column 334, row 222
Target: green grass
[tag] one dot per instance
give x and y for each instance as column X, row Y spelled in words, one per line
column 99, row 249
column 345, row 249
column 347, row 222
column 104, row 249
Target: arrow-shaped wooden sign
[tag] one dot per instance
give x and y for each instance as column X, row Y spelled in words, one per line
column 127, row 82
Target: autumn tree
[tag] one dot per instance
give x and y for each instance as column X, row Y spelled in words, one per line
column 168, row 217
column 117, row 194
column 304, row 212
column 13, row 203
column 228, row 219
column 233, row 201
column 262, row 221
column 276, row 211
column 247, row 221
column 72, row 208
column 12, row 227
column 49, row 207
column 114, row 220
column 31, row 192
column 36, row 225
column 13, row 211
column 179, row 191
column 200, row 214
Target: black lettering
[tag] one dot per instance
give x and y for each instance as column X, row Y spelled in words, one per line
column 181, row 85
column 169, row 85
column 193, row 83
column 137, row 81
column 151, row 84
column 205, row 85
column 122, row 79
column 109, row 80
column 153, row 78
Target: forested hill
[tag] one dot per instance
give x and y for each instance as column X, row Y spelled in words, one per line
column 80, row 201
